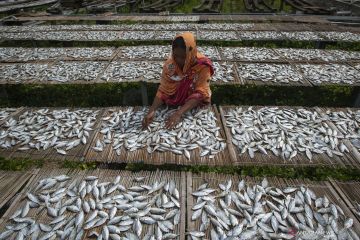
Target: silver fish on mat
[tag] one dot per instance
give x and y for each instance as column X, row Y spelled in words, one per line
column 120, row 71
column 74, row 71
column 18, row 73
column 224, row 72
column 330, row 73
column 218, row 35
column 262, row 211
column 197, row 130
column 260, row 35
column 341, row 36
column 283, row 132
column 43, row 129
column 5, row 112
column 302, row 36
column 85, row 208
column 278, row 73
column 249, row 54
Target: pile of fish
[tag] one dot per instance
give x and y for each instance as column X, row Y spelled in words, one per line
column 138, row 35
column 306, row 54
column 21, row 72
column 197, row 130
column 249, row 54
column 225, row 26
column 145, row 52
column 160, row 52
column 119, row 71
column 32, row 54
column 43, row 129
column 302, row 36
column 63, row 36
column 278, row 73
column 341, row 55
column 260, row 211
column 224, row 72
column 74, row 71
column 88, row 208
column 5, row 112
column 283, row 132
column 330, row 73
column 162, row 27
column 169, row 34
column 218, row 35
column 341, row 36
column 259, row 35
column 348, row 123
column 28, row 54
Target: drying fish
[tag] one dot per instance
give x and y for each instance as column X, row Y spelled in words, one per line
column 260, row 215
column 260, row 35
column 341, row 36
column 283, row 132
column 306, row 54
column 114, row 217
column 330, row 73
column 43, row 129
column 197, row 130
column 302, row 36
column 74, row 71
column 281, row 73
column 218, row 35
column 120, row 71
column 20, row 73
column 5, row 112
column 249, row 54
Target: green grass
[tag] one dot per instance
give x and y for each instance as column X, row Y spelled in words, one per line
column 187, row 6
column 233, row 6
column 19, row 164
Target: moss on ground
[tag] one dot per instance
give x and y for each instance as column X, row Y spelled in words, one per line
column 19, row 164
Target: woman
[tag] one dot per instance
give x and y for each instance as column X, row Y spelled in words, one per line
column 185, row 80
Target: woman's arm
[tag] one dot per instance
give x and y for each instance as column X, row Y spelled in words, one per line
column 175, row 118
column 150, row 115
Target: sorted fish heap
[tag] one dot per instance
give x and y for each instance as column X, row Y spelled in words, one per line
column 255, row 35
column 168, row 34
column 283, row 132
column 341, row 36
column 249, row 54
column 302, row 36
column 5, row 112
column 145, row 52
column 21, row 72
column 278, row 73
column 225, row 26
column 348, row 123
column 197, row 130
column 218, row 35
column 306, row 54
column 330, row 73
column 133, row 71
column 138, row 35
column 28, row 54
column 224, row 72
column 43, row 129
column 74, row 71
column 261, row 211
column 91, row 209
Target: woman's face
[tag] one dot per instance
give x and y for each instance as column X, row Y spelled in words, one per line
column 179, row 56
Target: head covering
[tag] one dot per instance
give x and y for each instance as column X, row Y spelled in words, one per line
column 177, row 85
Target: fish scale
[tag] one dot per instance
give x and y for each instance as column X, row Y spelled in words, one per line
column 268, row 223
column 103, row 222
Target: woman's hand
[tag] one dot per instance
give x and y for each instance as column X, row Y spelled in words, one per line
column 173, row 120
column 148, row 119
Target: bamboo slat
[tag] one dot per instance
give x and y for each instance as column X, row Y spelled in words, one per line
column 299, row 160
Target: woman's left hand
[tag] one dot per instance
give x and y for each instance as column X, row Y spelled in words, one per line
column 173, row 120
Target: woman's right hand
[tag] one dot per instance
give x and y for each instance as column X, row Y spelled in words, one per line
column 148, row 119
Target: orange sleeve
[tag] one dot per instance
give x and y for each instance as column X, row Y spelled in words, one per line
column 167, row 87
column 202, row 85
